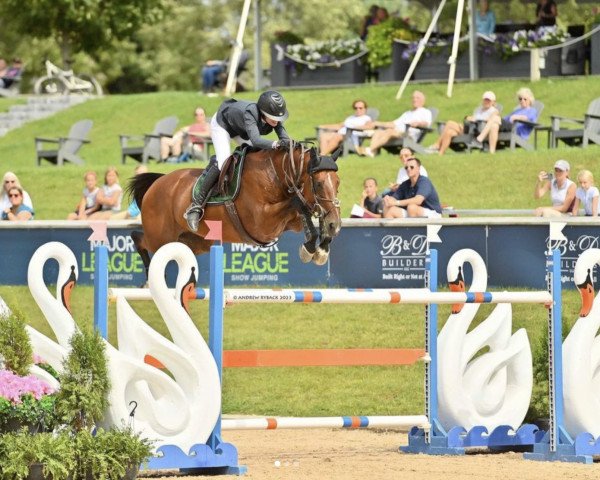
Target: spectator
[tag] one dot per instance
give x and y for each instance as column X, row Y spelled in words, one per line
column 17, row 210
column 485, row 19
column 586, row 194
column 495, row 123
column 418, row 116
column 87, row 205
column 133, row 211
column 370, row 200
column 12, row 74
column 214, row 72
column 415, row 197
column 11, row 180
column 3, row 67
column 405, row 154
column 109, row 196
column 333, row 134
column 469, row 125
column 172, row 147
column 562, row 191
column 546, row 13
column 367, row 21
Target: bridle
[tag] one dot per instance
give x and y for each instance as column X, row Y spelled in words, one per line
column 292, row 182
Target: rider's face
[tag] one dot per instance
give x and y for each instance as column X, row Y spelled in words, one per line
column 271, row 122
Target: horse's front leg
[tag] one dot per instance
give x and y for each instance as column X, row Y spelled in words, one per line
column 308, row 249
column 322, row 252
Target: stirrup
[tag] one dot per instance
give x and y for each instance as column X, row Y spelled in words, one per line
column 193, row 215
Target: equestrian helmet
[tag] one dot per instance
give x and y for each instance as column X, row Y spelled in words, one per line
column 272, row 105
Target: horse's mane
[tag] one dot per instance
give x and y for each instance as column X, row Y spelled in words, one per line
column 139, row 185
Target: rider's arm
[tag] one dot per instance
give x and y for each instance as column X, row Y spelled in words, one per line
column 253, row 133
column 281, row 132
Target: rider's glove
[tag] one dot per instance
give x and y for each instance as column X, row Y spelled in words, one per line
column 283, row 143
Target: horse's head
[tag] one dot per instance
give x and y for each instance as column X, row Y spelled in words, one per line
column 325, row 182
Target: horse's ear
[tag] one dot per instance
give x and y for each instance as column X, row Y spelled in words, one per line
column 336, row 154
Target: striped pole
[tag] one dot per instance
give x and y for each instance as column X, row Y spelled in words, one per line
column 350, row 296
column 274, row 423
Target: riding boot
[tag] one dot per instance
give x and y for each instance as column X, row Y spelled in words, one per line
column 195, row 211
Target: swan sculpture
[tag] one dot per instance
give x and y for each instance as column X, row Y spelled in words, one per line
column 170, row 410
column 581, row 355
column 189, row 359
column 493, row 388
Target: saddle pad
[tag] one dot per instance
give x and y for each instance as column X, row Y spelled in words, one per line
column 233, row 185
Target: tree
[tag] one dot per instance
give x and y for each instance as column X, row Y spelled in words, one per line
column 87, row 25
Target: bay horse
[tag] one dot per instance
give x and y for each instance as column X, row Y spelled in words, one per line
column 280, row 190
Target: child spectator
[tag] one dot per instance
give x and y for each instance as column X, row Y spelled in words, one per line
column 87, row 205
column 586, row 194
column 110, row 195
column 11, row 180
column 370, row 200
column 17, row 210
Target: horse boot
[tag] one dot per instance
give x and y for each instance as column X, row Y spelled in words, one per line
column 195, row 211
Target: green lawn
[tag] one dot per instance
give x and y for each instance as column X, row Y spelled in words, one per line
column 505, row 180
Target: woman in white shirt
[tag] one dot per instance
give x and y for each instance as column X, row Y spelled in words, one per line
column 333, row 134
column 10, row 181
column 562, row 191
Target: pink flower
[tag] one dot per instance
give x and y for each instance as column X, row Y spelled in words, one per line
column 13, row 387
column 37, row 359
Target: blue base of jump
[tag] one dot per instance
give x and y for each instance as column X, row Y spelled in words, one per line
column 201, row 459
column 581, row 450
column 457, row 439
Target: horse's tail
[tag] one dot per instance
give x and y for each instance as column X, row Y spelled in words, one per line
column 139, row 185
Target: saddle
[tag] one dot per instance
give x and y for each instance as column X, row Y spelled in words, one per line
column 230, row 179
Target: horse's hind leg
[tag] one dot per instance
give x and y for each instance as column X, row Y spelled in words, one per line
column 138, row 241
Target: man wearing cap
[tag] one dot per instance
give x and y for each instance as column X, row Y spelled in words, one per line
column 452, row 129
column 244, row 122
column 562, row 191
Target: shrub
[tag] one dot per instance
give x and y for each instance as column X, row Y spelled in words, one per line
column 15, row 347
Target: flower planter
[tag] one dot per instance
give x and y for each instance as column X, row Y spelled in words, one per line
column 595, row 52
column 552, row 63
column 491, row 65
column 285, row 73
column 434, row 66
column 398, row 68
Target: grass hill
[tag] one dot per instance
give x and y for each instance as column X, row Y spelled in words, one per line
column 507, row 178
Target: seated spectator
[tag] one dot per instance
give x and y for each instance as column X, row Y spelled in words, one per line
column 415, row 197
column 109, row 197
column 11, row 180
column 562, row 191
column 418, row 116
column 405, row 154
column 214, row 72
column 17, row 210
column 133, row 211
column 586, row 194
column 469, row 125
column 171, row 147
column 87, row 205
column 546, row 13
column 370, row 200
column 12, row 73
column 3, row 67
column 485, row 19
column 495, row 124
column 332, row 135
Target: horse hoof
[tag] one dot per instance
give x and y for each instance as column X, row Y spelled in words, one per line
column 305, row 255
column 320, row 257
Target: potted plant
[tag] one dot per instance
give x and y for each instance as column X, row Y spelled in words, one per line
column 43, row 456
column 25, row 400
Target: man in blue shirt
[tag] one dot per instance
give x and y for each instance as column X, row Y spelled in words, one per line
column 416, row 197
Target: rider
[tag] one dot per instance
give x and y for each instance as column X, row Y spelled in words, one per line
column 245, row 122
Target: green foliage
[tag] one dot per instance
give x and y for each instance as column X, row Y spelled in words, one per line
column 38, row 415
column 83, row 395
column 538, row 407
column 109, row 454
column 15, row 347
column 20, row 450
column 380, row 38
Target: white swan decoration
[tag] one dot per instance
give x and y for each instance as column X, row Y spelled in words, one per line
column 581, row 355
column 156, row 393
column 494, row 388
column 190, row 361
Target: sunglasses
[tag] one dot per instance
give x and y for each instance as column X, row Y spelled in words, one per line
column 14, row 195
column 522, row 98
column 410, row 167
column 558, row 170
column 359, row 108
column 10, row 181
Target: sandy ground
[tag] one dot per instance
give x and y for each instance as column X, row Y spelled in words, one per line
column 371, row 454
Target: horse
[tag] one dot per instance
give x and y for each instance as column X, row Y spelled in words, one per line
column 280, row 190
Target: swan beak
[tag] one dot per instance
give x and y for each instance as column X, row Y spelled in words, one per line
column 457, row 286
column 65, row 291
column 188, row 293
column 587, row 299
